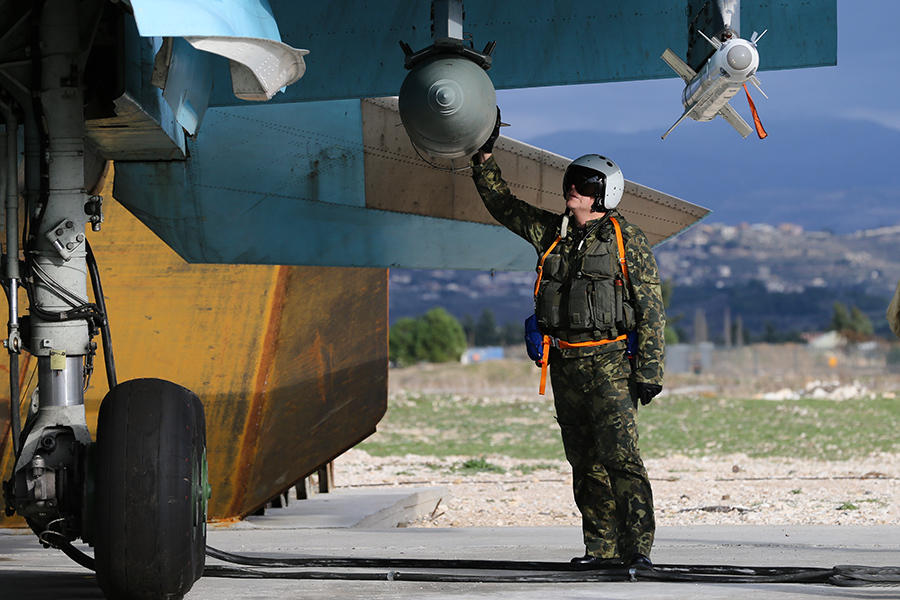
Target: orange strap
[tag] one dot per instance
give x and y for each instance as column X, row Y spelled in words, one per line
column 759, row 127
column 544, row 358
column 540, row 269
column 548, row 341
column 621, row 244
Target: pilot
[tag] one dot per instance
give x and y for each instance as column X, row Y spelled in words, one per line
column 587, row 302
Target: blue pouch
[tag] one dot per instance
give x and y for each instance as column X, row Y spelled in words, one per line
column 631, row 344
column 534, row 339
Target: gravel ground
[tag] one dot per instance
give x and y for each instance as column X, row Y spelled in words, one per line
column 718, row 489
column 730, row 489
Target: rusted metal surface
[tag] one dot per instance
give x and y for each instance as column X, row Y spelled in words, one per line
column 290, row 362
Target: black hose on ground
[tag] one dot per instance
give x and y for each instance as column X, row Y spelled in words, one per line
column 550, row 572
column 547, row 572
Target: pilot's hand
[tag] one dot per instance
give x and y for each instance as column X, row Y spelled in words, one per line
column 488, row 146
column 647, row 391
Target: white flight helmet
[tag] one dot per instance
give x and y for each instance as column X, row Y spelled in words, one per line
column 597, row 176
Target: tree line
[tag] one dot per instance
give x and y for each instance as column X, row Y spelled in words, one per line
column 437, row 336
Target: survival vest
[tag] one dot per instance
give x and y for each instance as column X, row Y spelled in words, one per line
column 584, row 298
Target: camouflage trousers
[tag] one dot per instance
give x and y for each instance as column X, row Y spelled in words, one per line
column 597, row 419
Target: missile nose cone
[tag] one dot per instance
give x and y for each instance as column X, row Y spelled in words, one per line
column 740, row 57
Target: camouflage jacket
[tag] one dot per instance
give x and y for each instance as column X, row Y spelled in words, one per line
column 541, row 227
column 893, row 312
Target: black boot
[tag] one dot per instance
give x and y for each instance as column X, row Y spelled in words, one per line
column 640, row 561
column 588, row 562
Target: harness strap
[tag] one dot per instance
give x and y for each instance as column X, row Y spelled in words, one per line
column 621, row 244
column 558, row 343
column 540, row 269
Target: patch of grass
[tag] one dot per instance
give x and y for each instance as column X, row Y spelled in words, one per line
column 877, row 501
column 478, row 465
column 848, row 506
column 441, row 424
column 450, row 425
column 797, row 491
column 527, row 469
column 807, row 428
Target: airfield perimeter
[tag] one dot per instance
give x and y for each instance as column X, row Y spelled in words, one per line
column 718, row 507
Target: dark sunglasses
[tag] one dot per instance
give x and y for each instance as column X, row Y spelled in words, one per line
column 587, row 182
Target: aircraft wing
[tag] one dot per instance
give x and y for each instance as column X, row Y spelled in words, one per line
column 350, row 195
column 728, row 113
column 303, row 178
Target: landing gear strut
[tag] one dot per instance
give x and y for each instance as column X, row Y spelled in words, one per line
column 139, row 494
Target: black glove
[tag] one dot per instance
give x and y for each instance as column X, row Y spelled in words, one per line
column 488, row 146
column 647, row 391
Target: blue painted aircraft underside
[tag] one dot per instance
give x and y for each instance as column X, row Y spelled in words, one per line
column 285, row 183
column 300, row 201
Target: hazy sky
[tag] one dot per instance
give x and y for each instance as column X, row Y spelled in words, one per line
column 830, row 161
column 863, row 86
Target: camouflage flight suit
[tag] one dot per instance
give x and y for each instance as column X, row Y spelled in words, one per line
column 893, row 312
column 593, row 386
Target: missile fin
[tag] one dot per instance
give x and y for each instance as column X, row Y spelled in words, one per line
column 678, row 65
column 730, row 115
column 714, row 43
column 754, row 39
column 756, row 84
column 680, row 119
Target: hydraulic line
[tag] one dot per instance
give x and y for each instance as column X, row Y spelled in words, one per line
column 11, row 268
column 105, row 337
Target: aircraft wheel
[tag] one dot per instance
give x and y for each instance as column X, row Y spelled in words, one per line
column 151, row 491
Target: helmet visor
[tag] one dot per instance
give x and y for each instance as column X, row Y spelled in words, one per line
column 587, row 182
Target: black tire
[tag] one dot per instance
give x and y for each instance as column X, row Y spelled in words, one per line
column 151, row 491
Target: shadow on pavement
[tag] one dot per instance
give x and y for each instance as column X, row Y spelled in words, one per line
column 47, row 585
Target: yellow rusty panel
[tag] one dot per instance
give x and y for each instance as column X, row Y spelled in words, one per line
column 232, row 334
column 330, row 375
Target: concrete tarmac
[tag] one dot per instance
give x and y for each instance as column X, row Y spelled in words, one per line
column 29, row 572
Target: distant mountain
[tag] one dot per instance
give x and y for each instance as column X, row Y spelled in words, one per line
column 784, row 276
column 850, row 182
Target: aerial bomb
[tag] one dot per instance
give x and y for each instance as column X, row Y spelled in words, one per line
column 448, row 106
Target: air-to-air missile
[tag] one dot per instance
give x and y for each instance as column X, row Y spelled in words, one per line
column 707, row 92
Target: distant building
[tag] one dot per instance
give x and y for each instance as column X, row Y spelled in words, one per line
column 825, row 341
column 474, row 355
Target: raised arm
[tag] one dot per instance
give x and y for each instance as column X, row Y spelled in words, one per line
column 529, row 222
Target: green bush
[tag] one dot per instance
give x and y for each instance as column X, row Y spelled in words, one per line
column 433, row 337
